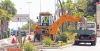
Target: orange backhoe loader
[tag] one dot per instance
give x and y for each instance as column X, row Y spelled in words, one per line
column 41, row 29
column 49, row 27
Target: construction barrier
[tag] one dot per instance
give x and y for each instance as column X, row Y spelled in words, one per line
column 13, row 49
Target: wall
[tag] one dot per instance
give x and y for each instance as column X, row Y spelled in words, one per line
column 98, row 17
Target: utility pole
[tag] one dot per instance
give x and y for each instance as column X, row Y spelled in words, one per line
column 55, row 11
column 29, row 15
column 21, row 13
column 40, row 5
column 21, row 10
column 55, row 4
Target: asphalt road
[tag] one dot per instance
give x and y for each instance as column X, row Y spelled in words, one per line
column 81, row 47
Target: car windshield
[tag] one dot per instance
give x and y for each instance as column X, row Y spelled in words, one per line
column 90, row 25
column 81, row 25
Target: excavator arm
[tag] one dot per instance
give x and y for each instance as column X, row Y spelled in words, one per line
column 60, row 21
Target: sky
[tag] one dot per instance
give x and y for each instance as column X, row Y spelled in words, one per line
column 46, row 5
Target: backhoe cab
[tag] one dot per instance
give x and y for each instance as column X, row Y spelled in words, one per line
column 45, row 19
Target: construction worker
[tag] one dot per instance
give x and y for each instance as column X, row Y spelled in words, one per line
column 45, row 21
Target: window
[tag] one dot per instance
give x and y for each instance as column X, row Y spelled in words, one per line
column 81, row 25
column 39, row 21
column 90, row 25
column 97, row 26
column 41, row 18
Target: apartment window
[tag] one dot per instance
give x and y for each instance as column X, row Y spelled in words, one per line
column 97, row 26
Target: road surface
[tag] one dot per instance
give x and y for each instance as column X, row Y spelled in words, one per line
column 81, row 47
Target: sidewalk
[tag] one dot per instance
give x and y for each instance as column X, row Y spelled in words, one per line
column 4, row 43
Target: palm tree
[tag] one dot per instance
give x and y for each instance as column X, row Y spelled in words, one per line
column 61, row 10
column 66, row 6
column 11, row 11
column 58, row 11
column 2, row 14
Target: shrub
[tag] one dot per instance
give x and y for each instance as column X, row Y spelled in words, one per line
column 57, row 38
column 58, row 35
column 28, row 46
column 63, row 37
column 70, row 35
column 5, row 34
column 8, row 33
column 59, row 32
column 47, row 41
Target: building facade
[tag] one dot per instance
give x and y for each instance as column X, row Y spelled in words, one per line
column 98, row 17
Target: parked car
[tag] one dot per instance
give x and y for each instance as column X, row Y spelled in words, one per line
column 23, row 33
column 13, row 32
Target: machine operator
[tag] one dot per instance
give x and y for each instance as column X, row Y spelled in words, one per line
column 45, row 21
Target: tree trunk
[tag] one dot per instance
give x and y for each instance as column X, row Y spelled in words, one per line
column 2, row 28
column 6, row 25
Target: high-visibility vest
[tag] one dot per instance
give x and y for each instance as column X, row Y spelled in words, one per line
column 45, row 20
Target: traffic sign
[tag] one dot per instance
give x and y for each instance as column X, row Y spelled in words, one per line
column 21, row 18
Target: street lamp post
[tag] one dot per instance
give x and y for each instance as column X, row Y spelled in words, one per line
column 29, row 15
column 21, row 13
column 40, row 5
column 21, row 10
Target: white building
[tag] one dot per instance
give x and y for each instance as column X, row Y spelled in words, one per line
column 98, row 17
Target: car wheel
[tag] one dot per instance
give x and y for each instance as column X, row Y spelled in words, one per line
column 93, row 43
